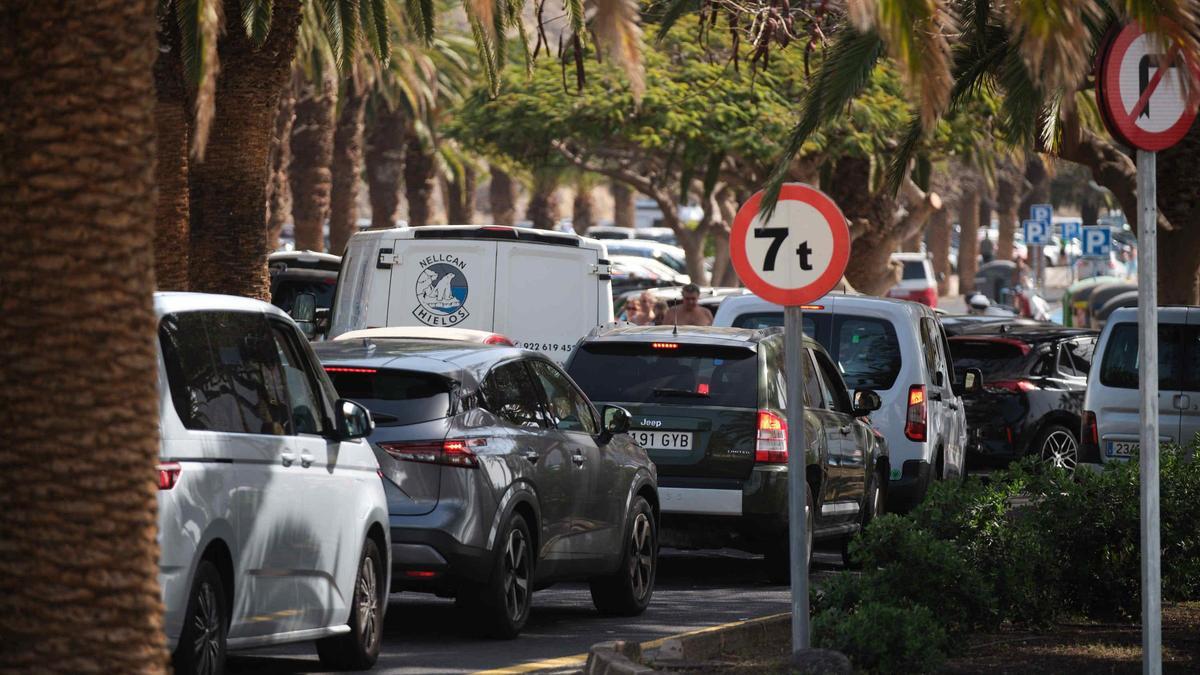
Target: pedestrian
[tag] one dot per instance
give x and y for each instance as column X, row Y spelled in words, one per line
column 660, row 312
column 633, row 311
column 689, row 312
column 987, row 250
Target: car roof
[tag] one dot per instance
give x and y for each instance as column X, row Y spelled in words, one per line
column 842, row 302
column 172, row 302
column 692, row 335
column 417, row 332
column 467, row 362
column 1171, row 313
column 1042, row 332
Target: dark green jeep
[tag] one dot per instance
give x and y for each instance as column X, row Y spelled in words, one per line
column 708, row 405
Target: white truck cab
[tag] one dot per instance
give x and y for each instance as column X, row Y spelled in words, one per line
column 544, row 290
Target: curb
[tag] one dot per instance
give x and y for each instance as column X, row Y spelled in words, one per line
column 616, row 658
column 625, row 658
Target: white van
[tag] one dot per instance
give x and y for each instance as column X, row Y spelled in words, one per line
column 897, row 349
column 543, row 290
column 1112, row 416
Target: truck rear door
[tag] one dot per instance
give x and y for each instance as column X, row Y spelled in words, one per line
column 443, row 283
column 546, row 297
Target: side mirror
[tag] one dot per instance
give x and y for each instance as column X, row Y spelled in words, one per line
column 866, row 402
column 616, row 419
column 972, row 382
column 353, row 420
column 321, row 324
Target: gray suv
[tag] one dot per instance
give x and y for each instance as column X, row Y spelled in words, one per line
column 501, row 477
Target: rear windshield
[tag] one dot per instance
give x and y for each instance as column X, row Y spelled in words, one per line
column 641, row 373
column 993, row 359
column 394, row 397
column 914, row 269
column 1120, row 365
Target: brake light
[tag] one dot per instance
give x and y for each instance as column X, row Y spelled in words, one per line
column 497, row 339
column 915, row 422
column 1089, row 436
column 450, row 452
column 1014, row 386
column 814, row 307
column 343, row 369
column 664, row 345
column 702, row 389
column 168, row 474
column 770, row 445
column 420, row 574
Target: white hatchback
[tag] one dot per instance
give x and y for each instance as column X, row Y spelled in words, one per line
column 272, row 520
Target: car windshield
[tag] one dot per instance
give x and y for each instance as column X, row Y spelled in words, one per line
column 914, row 269
column 394, row 397
column 996, row 360
column 668, row 372
column 284, row 294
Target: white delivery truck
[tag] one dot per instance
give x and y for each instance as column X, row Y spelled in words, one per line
column 543, row 290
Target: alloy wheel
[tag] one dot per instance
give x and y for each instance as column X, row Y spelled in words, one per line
column 207, row 625
column 641, row 555
column 516, row 575
column 1060, row 450
column 367, row 603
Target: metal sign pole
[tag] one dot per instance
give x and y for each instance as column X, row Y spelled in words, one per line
column 793, row 330
column 1148, row 391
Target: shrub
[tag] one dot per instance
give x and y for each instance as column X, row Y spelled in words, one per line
column 884, row 638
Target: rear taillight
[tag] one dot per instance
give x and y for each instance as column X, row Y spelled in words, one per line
column 1089, row 436
column 1013, row 386
column 926, row 297
column 771, row 443
column 168, row 474
column 915, row 421
column 450, row 452
column 497, row 339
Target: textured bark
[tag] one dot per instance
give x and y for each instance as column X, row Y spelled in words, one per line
column 460, row 198
column 968, row 239
column 1007, row 203
column 311, row 170
column 1179, row 200
column 229, row 189
column 502, row 195
column 279, row 192
column 1039, row 186
column 543, row 203
column 939, row 248
column 78, row 393
column 869, row 268
column 347, row 164
column 624, row 205
column 583, row 210
column 420, row 172
column 171, row 171
column 385, row 166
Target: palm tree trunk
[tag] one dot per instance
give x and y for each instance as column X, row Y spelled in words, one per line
column 229, row 189
column 347, row 164
column 1179, row 201
column 460, row 197
column 624, row 205
column 79, row 401
column 502, row 195
column 385, row 166
column 543, row 202
column 279, row 192
column 311, row 172
column 583, row 210
column 171, row 171
column 1007, row 203
column 939, row 248
column 968, row 239
column 419, row 173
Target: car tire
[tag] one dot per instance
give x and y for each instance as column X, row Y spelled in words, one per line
column 359, row 649
column 502, row 604
column 203, row 641
column 627, row 592
column 1058, row 446
column 778, row 558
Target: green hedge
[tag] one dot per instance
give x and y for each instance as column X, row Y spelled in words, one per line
column 1028, row 546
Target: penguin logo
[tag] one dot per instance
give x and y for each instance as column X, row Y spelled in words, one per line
column 441, row 295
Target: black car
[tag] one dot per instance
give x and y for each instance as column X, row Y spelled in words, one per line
column 709, row 406
column 1034, row 379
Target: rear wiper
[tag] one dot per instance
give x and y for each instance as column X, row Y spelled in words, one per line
column 679, row 392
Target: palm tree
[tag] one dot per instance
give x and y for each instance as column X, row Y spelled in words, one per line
column 347, row 160
column 78, row 575
column 310, row 173
column 543, row 208
column 502, row 196
column 279, row 193
column 171, row 124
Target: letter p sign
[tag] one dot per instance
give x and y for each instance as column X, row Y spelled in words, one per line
column 1097, row 242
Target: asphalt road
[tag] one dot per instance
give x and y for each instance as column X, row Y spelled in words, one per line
column 424, row 634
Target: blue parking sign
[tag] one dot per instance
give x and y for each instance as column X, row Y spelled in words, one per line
column 1037, row 232
column 1097, row 241
column 1071, row 229
column 1042, row 212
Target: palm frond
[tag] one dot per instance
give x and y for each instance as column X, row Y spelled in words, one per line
column 1049, row 36
column 615, row 24
column 200, row 24
column 675, row 10
column 256, row 19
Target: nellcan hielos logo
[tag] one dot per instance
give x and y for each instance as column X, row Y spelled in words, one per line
column 441, row 291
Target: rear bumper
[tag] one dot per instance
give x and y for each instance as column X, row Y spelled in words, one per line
column 432, row 561
column 695, row 514
column 906, row 492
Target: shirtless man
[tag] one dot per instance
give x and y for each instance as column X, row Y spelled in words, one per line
column 689, row 312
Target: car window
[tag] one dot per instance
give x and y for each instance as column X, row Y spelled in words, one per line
column 756, row 320
column 667, row 373
column 1066, row 362
column 832, row 383
column 511, row 395
column 945, row 348
column 283, row 295
column 913, row 269
column 224, row 373
column 1081, row 354
column 1191, row 374
column 569, row 410
column 1120, row 365
column 814, row 390
column 929, row 347
column 394, row 397
column 996, row 359
column 866, row 350
column 303, row 399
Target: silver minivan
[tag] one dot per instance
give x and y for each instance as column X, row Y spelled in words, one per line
column 272, row 521
column 899, row 350
column 1112, row 417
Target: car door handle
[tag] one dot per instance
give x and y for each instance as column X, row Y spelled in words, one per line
column 577, row 458
column 935, row 396
column 530, row 455
column 288, row 458
column 1182, row 401
column 306, row 460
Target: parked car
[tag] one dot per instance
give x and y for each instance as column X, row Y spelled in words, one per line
column 427, row 333
column 1112, row 418
column 289, row 284
column 918, row 283
column 501, row 477
column 1034, row 379
column 956, row 324
column 272, row 521
column 611, row 232
column 711, row 297
column 1099, row 267
column 671, row 256
column 307, row 260
column 634, row 274
column 486, row 278
column 897, row 349
column 708, row 404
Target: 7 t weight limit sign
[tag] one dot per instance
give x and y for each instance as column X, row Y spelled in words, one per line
column 778, row 235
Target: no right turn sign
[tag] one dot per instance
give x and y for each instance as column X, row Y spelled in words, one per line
column 1140, row 90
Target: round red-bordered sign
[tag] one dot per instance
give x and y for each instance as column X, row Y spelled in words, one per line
column 800, row 255
column 1138, row 93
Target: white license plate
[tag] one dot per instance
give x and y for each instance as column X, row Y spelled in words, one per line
column 663, row 440
column 1122, row 448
